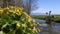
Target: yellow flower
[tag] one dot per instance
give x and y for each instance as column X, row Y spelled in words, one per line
column 29, row 28
column 1, row 10
column 10, row 11
column 23, row 25
column 29, row 20
column 4, row 8
column 18, row 25
column 34, row 30
column 25, row 13
column 7, row 12
column 28, row 17
column 14, row 12
column 39, row 30
column 33, row 20
column 17, row 12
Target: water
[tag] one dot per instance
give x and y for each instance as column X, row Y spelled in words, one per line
column 45, row 30
column 57, row 25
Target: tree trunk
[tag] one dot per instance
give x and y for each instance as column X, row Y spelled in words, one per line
column 4, row 3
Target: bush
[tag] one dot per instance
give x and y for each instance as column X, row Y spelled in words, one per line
column 15, row 21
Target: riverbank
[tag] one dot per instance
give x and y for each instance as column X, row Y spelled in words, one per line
column 42, row 17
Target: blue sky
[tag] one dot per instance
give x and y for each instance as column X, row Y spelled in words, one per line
column 48, row 5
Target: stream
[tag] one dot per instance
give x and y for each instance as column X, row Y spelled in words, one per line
column 45, row 30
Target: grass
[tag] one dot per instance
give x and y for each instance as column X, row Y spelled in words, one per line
column 39, row 17
column 55, row 19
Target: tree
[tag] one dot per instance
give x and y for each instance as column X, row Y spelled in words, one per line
column 4, row 3
column 27, row 8
column 18, row 3
column 30, row 4
column 8, row 2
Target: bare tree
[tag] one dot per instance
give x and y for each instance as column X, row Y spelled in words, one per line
column 8, row 3
column 19, row 3
column 27, row 7
column 30, row 4
column 4, row 3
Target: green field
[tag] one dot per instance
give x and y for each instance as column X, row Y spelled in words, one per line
column 55, row 19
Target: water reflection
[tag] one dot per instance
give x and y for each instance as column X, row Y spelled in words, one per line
column 45, row 30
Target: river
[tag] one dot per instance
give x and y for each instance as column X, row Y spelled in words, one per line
column 45, row 30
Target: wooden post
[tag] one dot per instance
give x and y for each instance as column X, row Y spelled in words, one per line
column 48, row 21
column 49, row 18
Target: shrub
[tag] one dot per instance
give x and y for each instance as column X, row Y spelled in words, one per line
column 15, row 21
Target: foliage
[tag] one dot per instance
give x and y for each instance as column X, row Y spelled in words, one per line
column 13, row 20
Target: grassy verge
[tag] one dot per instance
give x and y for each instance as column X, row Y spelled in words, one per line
column 39, row 17
column 55, row 19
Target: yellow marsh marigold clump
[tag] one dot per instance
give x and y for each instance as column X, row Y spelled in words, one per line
column 14, row 19
column 18, row 25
